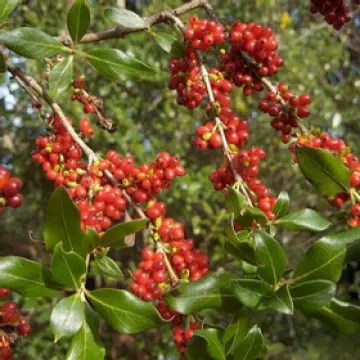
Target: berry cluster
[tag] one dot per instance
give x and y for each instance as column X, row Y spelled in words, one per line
column 335, row 12
column 337, row 147
column 204, row 34
column 85, row 127
column 285, row 108
column 182, row 336
column 12, row 324
column 9, row 190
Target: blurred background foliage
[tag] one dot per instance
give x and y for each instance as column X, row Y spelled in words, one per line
column 318, row 60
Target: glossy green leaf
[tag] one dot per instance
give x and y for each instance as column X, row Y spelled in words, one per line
column 210, row 292
column 25, row 277
column 67, row 317
column 178, row 49
column 251, row 346
column 282, row 205
column 164, row 40
column 7, row 7
column 32, row 43
column 250, row 291
column 281, row 300
column 339, row 315
column 124, row 18
column 303, row 220
column 234, row 334
column 115, row 237
column 108, row 267
column 2, row 63
column 61, row 77
column 324, row 260
column 235, row 202
column 270, row 253
column 91, row 238
column 209, row 341
column 67, row 268
column 312, row 294
column 78, row 20
column 324, row 170
column 63, row 223
column 124, row 311
column 116, row 64
column 86, row 344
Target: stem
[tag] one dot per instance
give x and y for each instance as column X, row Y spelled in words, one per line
column 174, row 280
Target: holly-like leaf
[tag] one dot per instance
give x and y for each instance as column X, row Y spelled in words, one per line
column 116, row 64
column 61, row 77
column 164, row 40
column 63, row 223
column 251, row 346
column 235, row 202
column 250, row 291
column 178, row 49
column 32, row 43
column 7, row 7
column 108, row 267
column 234, row 334
column 281, row 300
column 115, row 236
column 324, row 170
column 124, row 18
column 208, row 340
column 2, row 63
column 86, row 344
column 210, row 292
column 282, row 205
column 67, row 317
column 67, row 268
column 78, row 20
column 304, row 220
column 25, row 277
column 91, row 238
column 270, row 253
column 124, row 311
column 313, row 294
column 324, row 260
column 339, row 315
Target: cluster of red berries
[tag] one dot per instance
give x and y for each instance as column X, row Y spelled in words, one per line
column 182, row 336
column 285, row 116
column 335, row 12
column 86, row 101
column 9, row 190
column 85, row 127
column 14, row 324
column 247, row 164
column 204, row 34
column 339, row 148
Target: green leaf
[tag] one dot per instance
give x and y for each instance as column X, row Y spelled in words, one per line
column 115, row 236
column 86, row 344
column 250, row 291
column 251, row 346
column 124, row 311
column 32, row 43
column 7, row 7
column 115, row 63
column 324, row 260
column 282, row 205
column 178, row 49
column 124, row 18
column 313, row 294
column 164, row 40
column 91, row 238
column 304, row 220
column 235, row 202
column 214, row 348
column 210, row 292
column 339, row 315
column 108, row 267
column 25, row 277
column 281, row 301
column 2, row 63
column 234, row 334
column 61, row 77
column 324, row 170
column 78, row 20
column 270, row 253
column 63, row 223
column 67, row 317
column 67, row 268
